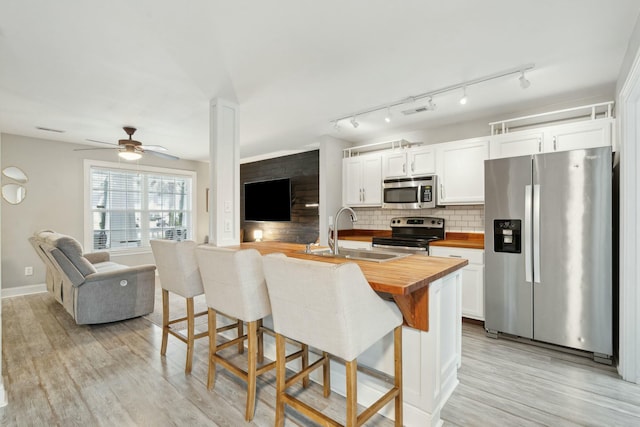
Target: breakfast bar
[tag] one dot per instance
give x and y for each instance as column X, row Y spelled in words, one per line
column 428, row 292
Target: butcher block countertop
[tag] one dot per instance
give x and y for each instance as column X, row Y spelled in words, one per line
column 453, row 239
column 406, row 279
column 461, row 240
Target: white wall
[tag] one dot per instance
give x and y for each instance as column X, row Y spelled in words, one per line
column 330, row 182
column 55, row 198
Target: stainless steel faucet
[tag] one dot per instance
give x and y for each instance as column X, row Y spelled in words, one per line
column 333, row 240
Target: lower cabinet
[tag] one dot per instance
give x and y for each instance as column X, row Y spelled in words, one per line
column 472, row 278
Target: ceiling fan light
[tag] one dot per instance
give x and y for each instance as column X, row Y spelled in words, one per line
column 129, row 155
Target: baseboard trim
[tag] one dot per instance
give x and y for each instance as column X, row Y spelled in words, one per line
column 24, row 290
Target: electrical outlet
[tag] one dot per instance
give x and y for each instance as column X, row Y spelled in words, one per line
column 28, row 271
column 227, row 206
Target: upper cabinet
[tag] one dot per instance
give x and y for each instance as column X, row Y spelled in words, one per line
column 411, row 162
column 362, row 180
column 572, row 136
column 460, row 170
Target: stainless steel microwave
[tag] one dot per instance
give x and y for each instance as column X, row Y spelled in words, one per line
column 418, row 192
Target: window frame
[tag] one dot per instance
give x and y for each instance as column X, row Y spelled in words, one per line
column 88, row 210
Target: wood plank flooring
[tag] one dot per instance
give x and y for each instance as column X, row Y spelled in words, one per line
column 58, row 373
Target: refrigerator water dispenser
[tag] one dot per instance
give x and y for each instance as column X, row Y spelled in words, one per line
column 507, row 235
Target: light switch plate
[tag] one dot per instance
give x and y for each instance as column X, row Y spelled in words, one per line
column 227, row 206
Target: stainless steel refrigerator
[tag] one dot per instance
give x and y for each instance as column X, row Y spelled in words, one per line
column 548, row 250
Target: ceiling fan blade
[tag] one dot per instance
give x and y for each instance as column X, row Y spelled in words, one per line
column 153, row 147
column 102, row 142
column 163, row 155
column 95, row 148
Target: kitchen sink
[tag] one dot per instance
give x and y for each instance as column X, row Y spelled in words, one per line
column 359, row 254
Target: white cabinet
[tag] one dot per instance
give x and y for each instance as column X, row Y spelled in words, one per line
column 472, row 278
column 460, row 169
column 362, row 180
column 516, row 144
column 572, row 136
column 412, row 162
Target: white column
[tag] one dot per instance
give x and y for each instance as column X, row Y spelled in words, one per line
column 224, row 174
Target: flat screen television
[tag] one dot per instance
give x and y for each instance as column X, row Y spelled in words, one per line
column 267, row 200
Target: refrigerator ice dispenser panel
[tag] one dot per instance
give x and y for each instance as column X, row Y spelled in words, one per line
column 507, row 235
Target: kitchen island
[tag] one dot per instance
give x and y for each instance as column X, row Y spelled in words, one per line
column 428, row 292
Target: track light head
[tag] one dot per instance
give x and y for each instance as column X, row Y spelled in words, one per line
column 430, row 105
column 336, row 126
column 464, row 98
column 354, row 122
column 524, row 83
column 387, row 118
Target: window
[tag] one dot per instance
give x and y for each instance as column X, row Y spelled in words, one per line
column 129, row 207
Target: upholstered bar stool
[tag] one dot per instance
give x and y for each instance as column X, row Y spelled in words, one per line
column 178, row 271
column 330, row 307
column 234, row 286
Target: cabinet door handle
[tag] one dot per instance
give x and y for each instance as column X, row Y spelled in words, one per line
column 539, row 145
column 364, row 195
column 404, row 167
column 455, row 256
column 413, row 166
column 361, row 197
column 554, row 143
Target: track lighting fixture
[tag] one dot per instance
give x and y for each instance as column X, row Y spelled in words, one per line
column 430, row 106
column 464, row 98
column 387, row 118
column 524, row 83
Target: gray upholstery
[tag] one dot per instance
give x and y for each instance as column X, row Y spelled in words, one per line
column 91, row 287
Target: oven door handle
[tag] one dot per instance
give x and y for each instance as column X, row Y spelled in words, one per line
column 413, row 248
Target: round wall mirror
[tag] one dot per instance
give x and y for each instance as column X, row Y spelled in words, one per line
column 16, row 174
column 14, row 193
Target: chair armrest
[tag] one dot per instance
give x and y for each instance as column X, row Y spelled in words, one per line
column 96, row 257
column 119, row 274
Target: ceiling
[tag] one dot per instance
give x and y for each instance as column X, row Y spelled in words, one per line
column 89, row 67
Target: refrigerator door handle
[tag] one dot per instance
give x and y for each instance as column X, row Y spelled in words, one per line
column 528, row 274
column 536, row 234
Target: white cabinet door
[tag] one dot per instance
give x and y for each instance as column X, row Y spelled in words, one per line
column 516, row 144
column 461, row 171
column 394, row 164
column 473, row 291
column 352, row 181
column 591, row 134
column 472, row 278
column 422, row 161
column 362, row 180
column 372, row 180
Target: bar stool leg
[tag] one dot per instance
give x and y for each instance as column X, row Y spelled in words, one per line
column 280, row 379
column 397, row 348
column 240, row 333
column 260, row 342
column 165, row 321
column 352, row 393
column 251, row 369
column 190, row 335
column 326, row 374
column 305, row 364
column 212, row 348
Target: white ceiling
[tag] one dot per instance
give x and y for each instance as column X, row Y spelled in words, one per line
column 90, row 67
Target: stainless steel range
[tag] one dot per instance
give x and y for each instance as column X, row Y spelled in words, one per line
column 412, row 234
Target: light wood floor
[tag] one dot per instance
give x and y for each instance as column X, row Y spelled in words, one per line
column 58, row 373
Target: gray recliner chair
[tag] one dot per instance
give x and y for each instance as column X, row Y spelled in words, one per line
column 91, row 287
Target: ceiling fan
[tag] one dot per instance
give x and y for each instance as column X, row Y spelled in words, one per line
column 130, row 149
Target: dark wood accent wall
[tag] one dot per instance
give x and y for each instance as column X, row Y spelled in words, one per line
column 303, row 170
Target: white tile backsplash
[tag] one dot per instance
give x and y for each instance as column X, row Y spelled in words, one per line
column 457, row 218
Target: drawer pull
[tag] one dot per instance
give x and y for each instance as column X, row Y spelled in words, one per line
column 455, row 256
